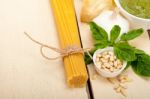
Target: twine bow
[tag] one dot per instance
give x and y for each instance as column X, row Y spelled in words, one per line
column 69, row 50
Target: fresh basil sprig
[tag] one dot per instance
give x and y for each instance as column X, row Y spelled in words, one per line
column 114, row 34
column 124, row 51
column 138, row 59
column 132, row 34
column 98, row 33
column 87, row 58
column 141, row 65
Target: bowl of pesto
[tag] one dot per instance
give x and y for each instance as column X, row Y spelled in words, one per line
column 136, row 11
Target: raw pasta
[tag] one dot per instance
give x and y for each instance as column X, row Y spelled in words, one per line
column 65, row 19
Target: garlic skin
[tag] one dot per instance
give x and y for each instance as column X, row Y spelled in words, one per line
column 108, row 18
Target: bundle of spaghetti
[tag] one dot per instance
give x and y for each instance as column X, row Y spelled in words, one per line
column 65, row 19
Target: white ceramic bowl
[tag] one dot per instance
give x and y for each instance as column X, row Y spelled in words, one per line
column 136, row 22
column 103, row 72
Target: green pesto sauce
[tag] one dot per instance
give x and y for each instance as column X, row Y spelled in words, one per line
column 139, row 8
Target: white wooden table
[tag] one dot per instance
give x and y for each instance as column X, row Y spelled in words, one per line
column 102, row 89
column 25, row 74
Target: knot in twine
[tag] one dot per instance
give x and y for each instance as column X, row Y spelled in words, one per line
column 69, row 50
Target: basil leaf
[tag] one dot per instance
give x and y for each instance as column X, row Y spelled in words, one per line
column 87, row 58
column 128, row 65
column 98, row 32
column 131, row 34
column 114, row 33
column 137, row 51
column 141, row 65
column 145, row 58
column 124, row 45
column 101, row 44
column 124, row 51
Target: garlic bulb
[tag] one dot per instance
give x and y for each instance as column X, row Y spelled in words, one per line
column 107, row 19
column 92, row 8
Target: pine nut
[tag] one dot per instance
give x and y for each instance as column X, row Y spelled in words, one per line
column 123, row 92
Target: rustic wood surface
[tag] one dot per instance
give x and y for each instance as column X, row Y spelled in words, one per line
column 139, row 88
column 24, row 73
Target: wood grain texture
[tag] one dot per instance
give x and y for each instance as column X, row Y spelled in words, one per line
column 102, row 89
column 24, row 73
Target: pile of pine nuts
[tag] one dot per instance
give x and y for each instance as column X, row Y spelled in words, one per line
column 108, row 61
column 120, row 83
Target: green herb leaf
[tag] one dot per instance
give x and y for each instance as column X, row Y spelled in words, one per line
column 114, row 33
column 138, row 51
column 132, row 34
column 141, row 65
column 124, row 51
column 98, row 33
column 87, row 58
column 128, row 65
column 101, row 44
column 136, row 58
